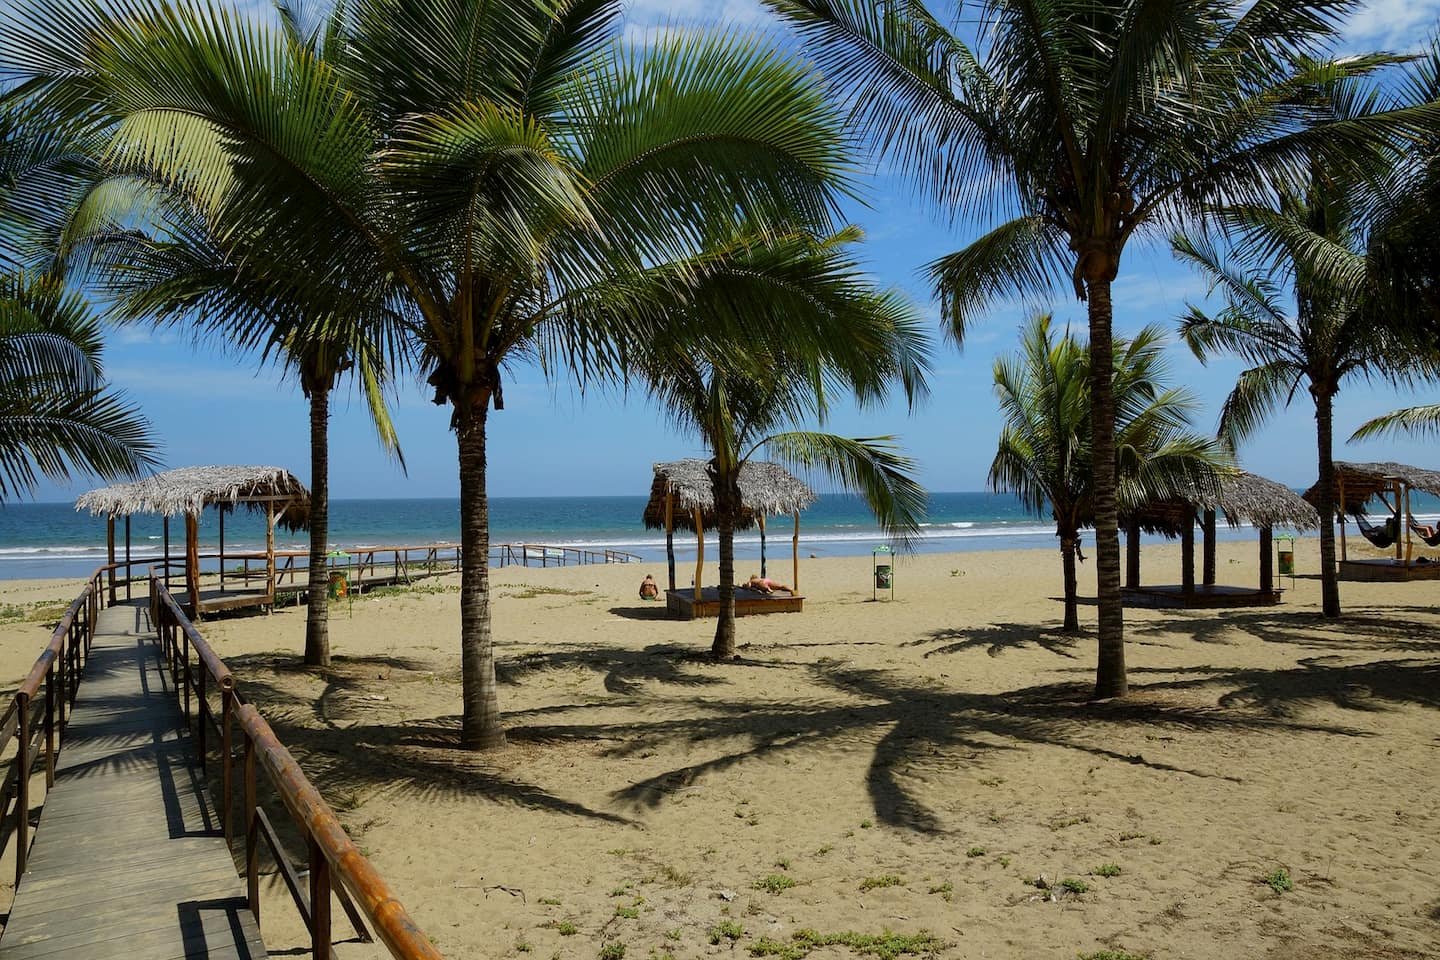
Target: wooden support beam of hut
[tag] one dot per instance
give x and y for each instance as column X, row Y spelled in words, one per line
column 165, row 537
column 670, row 533
column 1409, row 528
column 1344, row 554
column 127, row 556
column 270, row 554
column 699, row 552
column 1399, row 548
column 1208, row 555
column 1132, row 554
column 760, row 520
column 192, row 562
column 110, row 553
column 795, row 555
column 221, row 511
column 1267, row 561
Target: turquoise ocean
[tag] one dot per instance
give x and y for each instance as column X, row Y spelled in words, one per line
column 53, row 540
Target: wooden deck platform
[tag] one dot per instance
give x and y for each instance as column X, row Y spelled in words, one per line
column 1203, row 597
column 128, row 859
column 1387, row 571
column 681, row 603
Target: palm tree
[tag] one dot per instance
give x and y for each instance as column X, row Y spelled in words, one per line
column 1045, row 445
column 58, row 417
column 1083, row 124
column 163, row 261
column 1423, row 420
column 509, row 182
column 1330, row 336
column 740, row 397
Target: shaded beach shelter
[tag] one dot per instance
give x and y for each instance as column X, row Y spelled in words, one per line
column 1389, row 485
column 187, row 491
column 682, row 497
column 1244, row 498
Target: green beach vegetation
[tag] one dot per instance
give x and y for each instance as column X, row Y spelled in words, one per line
column 1045, row 448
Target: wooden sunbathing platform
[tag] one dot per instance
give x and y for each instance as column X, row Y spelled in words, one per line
column 129, row 860
column 1387, row 570
column 681, row 603
column 1202, row 597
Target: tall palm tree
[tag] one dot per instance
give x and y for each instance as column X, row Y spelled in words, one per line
column 740, row 397
column 1083, row 124
column 1327, row 335
column 166, row 262
column 1046, row 444
column 510, row 182
column 58, row 417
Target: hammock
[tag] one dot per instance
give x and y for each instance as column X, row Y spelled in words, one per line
column 1383, row 536
column 1432, row 540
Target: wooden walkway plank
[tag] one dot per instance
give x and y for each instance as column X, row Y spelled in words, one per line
column 128, row 860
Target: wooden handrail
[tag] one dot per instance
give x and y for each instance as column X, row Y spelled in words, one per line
column 336, row 865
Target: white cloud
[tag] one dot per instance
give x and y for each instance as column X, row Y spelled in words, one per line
column 1393, row 24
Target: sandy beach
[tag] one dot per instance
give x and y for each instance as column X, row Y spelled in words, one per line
column 925, row 766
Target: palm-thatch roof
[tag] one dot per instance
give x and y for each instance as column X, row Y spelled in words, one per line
column 1364, row 480
column 189, row 490
column 765, row 488
column 1243, row 498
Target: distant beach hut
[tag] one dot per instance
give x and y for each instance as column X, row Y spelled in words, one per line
column 682, row 497
column 1356, row 484
column 188, row 491
column 1244, row 498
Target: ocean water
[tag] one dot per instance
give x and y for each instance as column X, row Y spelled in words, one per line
column 53, row 540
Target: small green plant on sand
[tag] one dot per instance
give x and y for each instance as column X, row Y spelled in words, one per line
column 566, row 929
column 726, row 930
column 1111, row 955
column 614, row 950
column 1106, row 870
column 1278, row 880
column 866, row 824
column 1075, row 885
column 887, row 880
column 783, row 863
column 774, row 883
column 886, row 946
column 673, row 934
column 550, row 901
column 628, row 913
column 945, row 890
column 975, row 852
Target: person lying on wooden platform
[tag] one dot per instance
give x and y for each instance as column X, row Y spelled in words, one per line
column 767, row 586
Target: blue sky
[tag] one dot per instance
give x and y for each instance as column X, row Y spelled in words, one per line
column 209, row 408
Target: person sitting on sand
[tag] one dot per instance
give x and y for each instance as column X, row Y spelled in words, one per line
column 766, row 586
column 649, row 589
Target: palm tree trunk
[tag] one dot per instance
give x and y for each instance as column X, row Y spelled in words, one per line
column 480, row 725
column 1329, row 575
column 317, row 611
column 1110, row 679
column 727, row 501
column 1072, row 589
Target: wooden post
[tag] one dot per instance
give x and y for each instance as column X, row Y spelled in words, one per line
column 127, row 556
column 1267, row 561
column 1343, row 555
column 760, row 519
column 22, row 783
column 192, row 562
column 1409, row 530
column 270, row 554
column 110, row 554
column 166, row 537
column 670, row 534
column 699, row 553
column 795, row 557
column 1187, row 555
column 1132, row 555
column 319, row 902
column 221, row 510
column 252, row 832
column 1398, row 548
column 227, row 787
column 1207, row 562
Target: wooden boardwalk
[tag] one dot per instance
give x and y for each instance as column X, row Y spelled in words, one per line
column 129, row 860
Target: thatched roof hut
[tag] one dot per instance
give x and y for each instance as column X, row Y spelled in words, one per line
column 189, row 490
column 765, row 488
column 1362, row 481
column 1241, row 496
